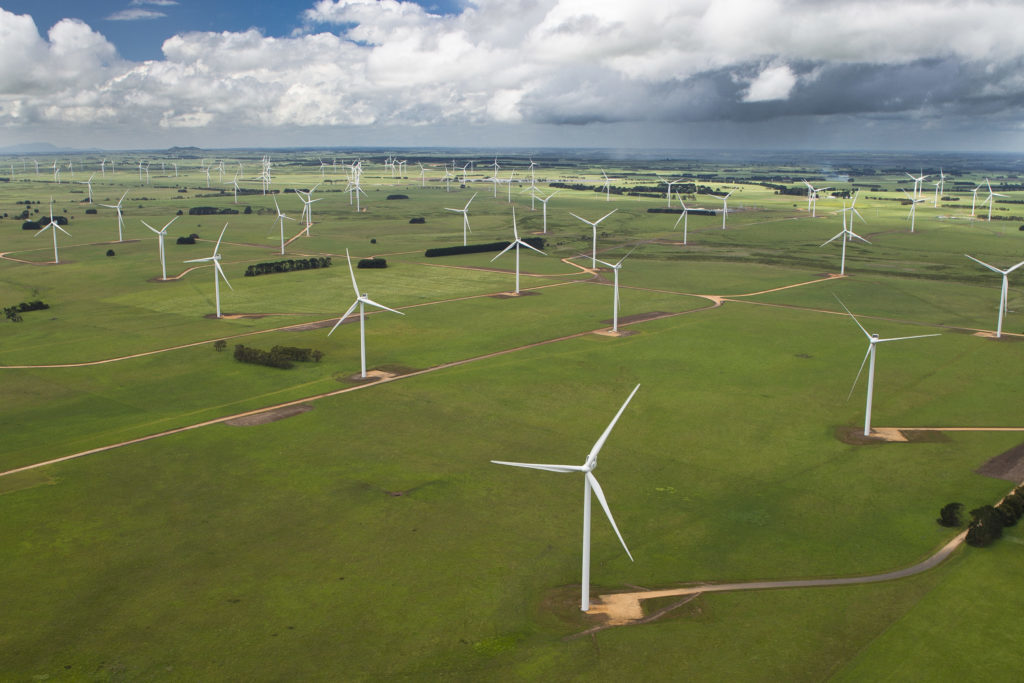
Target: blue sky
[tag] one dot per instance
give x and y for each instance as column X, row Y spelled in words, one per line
column 680, row 74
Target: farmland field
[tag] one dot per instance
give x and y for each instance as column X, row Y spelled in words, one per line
column 366, row 535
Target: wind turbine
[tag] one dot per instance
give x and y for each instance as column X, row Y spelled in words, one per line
column 847, row 233
column 423, row 177
column 234, row 182
column 615, row 303
column 120, row 219
column 160, row 243
column 545, row 210
column 593, row 258
column 873, row 340
column 1003, row 293
column 918, row 181
column 668, row 190
column 683, row 217
column 361, row 301
column 940, row 187
column 465, row 217
column 913, row 207
column 812, row 197
column 307, row 206
column 589, row 484
column 88, row 183
column 516, row 244
column 607, row 186
column 991, row 199
column 53, row 226
column 974, row 199
column 281, row 218
column 217, row 270
column 725, row 205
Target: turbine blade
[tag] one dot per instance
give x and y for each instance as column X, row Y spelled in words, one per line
column 169, row 223
column 199, row 260
column 603, row 217
column 857, row 378
column 510, row 245
column 1013, row 268
column 592, row 456
column 841, row 233
column 528, row 246
column 470, row 201
column 561, row 469
column 604, row 504
column 216, row 248
column 582, row 219
column 352, row 273
column 992, row 268
column 603, row 263
column 150, row 226
column 853, row 234
column 224, row 277
column 381, row 306
column 866, row 333
column 916, row 336
column 342, row 318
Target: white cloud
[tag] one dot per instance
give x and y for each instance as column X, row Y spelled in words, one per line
column 389, row 62
column 135, row 15
column 773, row 83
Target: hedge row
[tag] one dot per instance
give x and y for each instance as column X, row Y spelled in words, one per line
column 987, row 522
column 536, row 242
column 288, row 265
column 13, row 313
column 695, row 212
column 374, row 262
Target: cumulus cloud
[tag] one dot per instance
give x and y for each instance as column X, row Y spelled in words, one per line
column 391, row 62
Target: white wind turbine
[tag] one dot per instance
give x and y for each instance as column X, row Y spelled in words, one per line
column 1003, row 292
column 684, row 217
column 545, row 210
column 725, row 205
column 307, row 206
column 423, row 176
column 160, row 234
column 668, row 190
column 589, row 484
column 515, row 243
column 918, row 182
column 281, row 218
column 812, row 197
column 913, row 208
column 974, row 199
column 218, row 272
column 847, row 233
column 593, row 258
column 88, row 183
column 234, row 183
column 991, row 199
column 873, row 340
column 361, row 301
column 465, row 218
column 940, row 187
column 120, row 219
column 607, row 186
column 53, row 226
column 616, row 267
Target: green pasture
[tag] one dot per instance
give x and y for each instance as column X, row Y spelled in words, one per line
column 370, row 538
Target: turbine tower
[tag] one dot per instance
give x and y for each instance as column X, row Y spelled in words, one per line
column 593, row 258
column 873, row 341
column 281, row 218
column 847, row 233
column 1003, row 292
column 616, row 267
column 53, row 226
column 218, row 272
column 160, row 234
column 590, row 484
column 465, row 218
column 515, row 243
column 361, row 301
column 120, row 218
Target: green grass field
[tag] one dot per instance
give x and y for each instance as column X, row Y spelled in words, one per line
column 371, row 538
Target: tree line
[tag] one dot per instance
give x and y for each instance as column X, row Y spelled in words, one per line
column 289, row 265
column 283, row 357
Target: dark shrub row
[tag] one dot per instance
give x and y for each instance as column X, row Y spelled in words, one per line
column 209, row 211
column 692, row 212
column 987, row 522
column 537, row 242
column 374, row 262
column 13, row 313
column 397, row 196
column 287, row 266
column 283, row 357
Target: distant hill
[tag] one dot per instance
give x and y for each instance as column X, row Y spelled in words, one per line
column 30, row 148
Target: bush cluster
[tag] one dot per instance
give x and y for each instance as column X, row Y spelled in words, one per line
column 288, row 265
column 987, row 522
column 283, row 357
column 13, row 313
column 692, row 212
column 209, row 211
column 191, row 239
column 537, row 242
column 418, row 220
column 373, row 262
column 397, row 196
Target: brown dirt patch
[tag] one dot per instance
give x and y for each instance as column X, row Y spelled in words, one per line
column 1008, row 465
column 513, row 295
column 268, row 416
column 610, row 333
column 855, row 437
column 318, row 325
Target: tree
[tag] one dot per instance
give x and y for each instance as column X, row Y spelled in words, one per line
column 110, row 252
column 949, row 515
column 986, row 526
column 220, row 345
